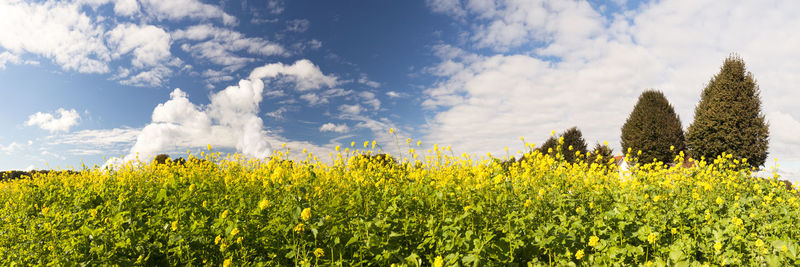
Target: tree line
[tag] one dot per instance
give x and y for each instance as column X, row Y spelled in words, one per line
column 728, row 121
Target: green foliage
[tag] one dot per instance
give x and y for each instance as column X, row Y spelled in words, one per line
column 572, row 142
column 600, row 154
column 288, row 213
column 654, row 128
column 728, row 118
column 13, row 175
column 161, row 159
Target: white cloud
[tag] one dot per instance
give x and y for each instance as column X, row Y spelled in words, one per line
column 314, row 44
column 450, row 7
column 7, row 57
column 304, row 74
column 51, row 154
column 351, row 109
column 369, row 99
column 126, row 7
column 502, row 25
column 181, row 9
column 485, row 102
column 331, row 127
column 783, row 135
column 393, row 94
column 219, row 45
column 58, row 31
column 150, row 44
column 298, row 25
column 58, row 123
column 97, row 138
column 366, row 81
column 10, row 148
column 275, row 6
column 277, row 114
column 155, row 76
column 313, row 99
column 230, row 120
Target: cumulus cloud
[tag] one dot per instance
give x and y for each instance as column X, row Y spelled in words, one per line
column 181, row 9
column 59, row 31
column 55, row 123
column 590, row 68
column 502, row 25
column 331, row 127
column 78, row 38
column 149, row 44
column 230, row 120
column 126, row 7
column 304, row 74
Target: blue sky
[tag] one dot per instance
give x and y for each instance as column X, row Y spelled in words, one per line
column 91, row 80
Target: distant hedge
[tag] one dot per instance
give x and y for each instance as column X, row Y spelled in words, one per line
column 13, row 175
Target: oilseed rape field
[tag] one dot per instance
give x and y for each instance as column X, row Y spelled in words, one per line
column 426, row 209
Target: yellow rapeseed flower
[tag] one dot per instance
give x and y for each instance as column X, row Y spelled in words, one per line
column 224, row 214
column 226, row 263
column 593, row 241
column 217, row 240
column 438, row 261
column 579, row 254
column 235, row 231
column 717, row 247
column 759, row 243
column 174, row 226
column 720, row 201
column 300, row 228
column 651, row 238
column 319, row 253
column 306, row 214
column 263, row 204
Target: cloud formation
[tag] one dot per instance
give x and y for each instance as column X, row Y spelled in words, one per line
column 332, row 127
column 230, row 120
column 59, row 31
column 591, row 67
column 76, row 37
column 61, row 122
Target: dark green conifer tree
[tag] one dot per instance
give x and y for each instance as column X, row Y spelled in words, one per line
column 654, row 128
column 728, row 118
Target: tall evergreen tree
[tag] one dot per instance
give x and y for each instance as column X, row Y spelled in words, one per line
column 653, row 127
column 728, row 118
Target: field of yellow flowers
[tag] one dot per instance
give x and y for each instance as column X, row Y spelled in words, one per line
column 428, row 209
